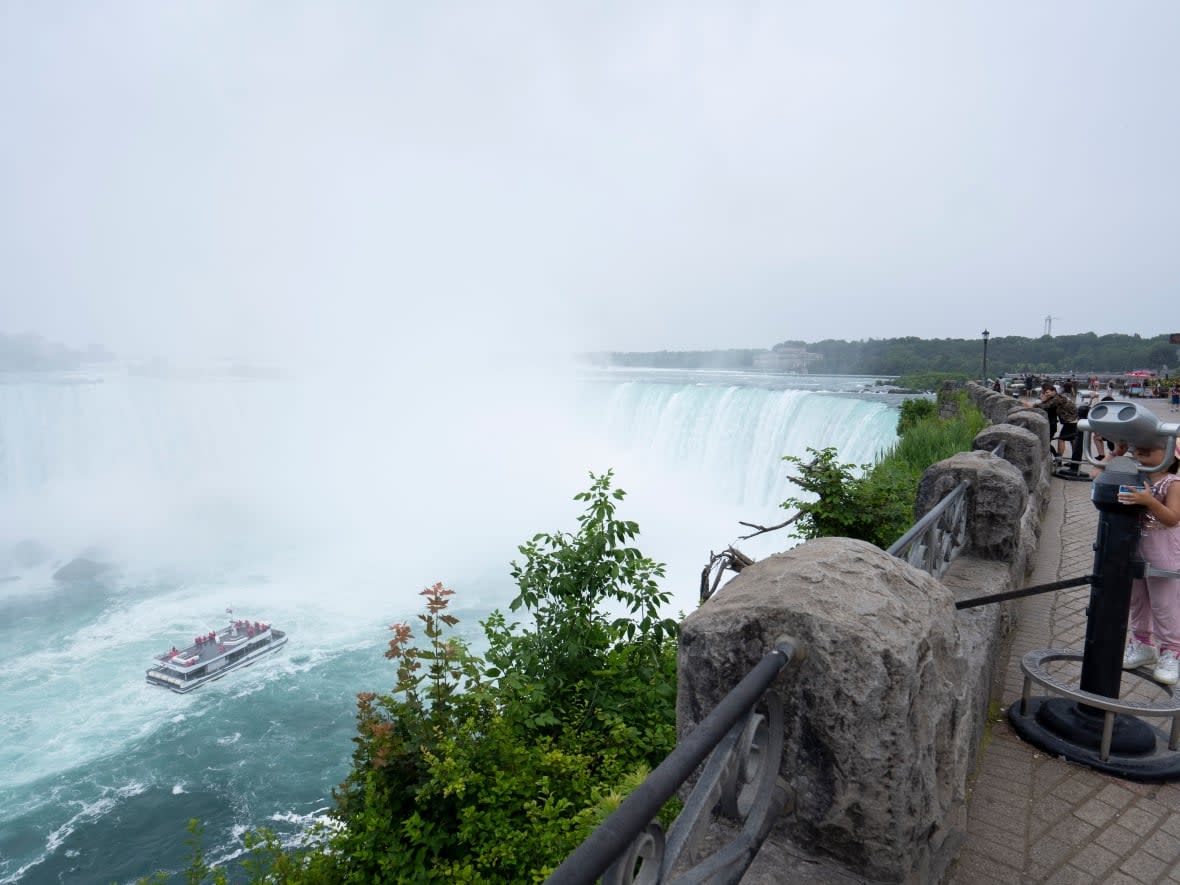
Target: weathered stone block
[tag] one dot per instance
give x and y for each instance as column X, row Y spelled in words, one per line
column 1022, row 449
column 1032, row 419
column 996, row 406
column 879, row 725
column 996, row 501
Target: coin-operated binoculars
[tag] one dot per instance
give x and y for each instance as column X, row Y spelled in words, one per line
column 1089, row 724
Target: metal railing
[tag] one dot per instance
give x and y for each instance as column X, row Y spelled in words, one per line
column 933, row 542
column 742, row 740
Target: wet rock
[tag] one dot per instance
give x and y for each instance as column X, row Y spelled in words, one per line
column 82, row 568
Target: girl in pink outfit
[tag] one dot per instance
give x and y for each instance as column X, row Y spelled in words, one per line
column 1155, row 602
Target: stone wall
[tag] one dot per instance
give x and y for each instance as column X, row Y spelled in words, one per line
column 885, row 714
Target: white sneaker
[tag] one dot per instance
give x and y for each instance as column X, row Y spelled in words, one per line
column 1139, row 654
column 1167, row 671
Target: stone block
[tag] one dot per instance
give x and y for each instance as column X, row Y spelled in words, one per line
column 879, row 726
column 996, row 501
column 1022, row 449
column 1032, row 419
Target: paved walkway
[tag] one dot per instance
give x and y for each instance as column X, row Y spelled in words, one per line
column 1037, row 818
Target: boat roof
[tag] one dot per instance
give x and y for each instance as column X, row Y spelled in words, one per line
column 211, row 646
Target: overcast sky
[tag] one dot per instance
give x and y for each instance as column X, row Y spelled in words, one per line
column 277, row 178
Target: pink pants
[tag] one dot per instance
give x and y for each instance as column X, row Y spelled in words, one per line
column 1155, row 612
column 1155, row 602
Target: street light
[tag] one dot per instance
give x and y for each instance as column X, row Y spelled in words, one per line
column 985, row 334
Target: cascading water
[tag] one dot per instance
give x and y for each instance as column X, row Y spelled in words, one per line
column 322, row 506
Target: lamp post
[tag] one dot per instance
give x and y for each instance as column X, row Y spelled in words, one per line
column 985, row 336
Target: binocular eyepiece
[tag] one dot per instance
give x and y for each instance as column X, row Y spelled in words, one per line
column 1137, row 425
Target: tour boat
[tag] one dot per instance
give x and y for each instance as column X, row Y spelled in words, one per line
column 213, row 655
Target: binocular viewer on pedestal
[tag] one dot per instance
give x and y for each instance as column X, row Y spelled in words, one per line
column 1138, row 426
column 1089, row 724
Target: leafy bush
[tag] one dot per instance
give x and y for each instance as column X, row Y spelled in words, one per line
column 564, row 582
column 914, row 410
column 489, row 771
column 933, row 439
column 875, row 502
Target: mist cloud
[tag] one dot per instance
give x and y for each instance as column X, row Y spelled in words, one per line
column 311, row 182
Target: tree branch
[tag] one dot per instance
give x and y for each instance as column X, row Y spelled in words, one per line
column 762, row 530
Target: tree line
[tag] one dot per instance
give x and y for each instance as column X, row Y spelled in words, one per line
column 1086, row 352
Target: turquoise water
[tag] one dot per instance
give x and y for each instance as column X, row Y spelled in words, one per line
column 322, row 507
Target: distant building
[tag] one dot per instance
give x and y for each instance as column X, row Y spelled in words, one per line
column 784, row 359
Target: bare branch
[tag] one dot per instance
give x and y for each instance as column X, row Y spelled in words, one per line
column 732, row 559
column 762, row 530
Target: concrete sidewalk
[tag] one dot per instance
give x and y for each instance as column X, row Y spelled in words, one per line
column 1037, row 818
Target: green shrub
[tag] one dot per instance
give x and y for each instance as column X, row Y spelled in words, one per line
column 875, row 502
column 565, row 581
column 933, row 439
column 489, row 771
column 914, row 410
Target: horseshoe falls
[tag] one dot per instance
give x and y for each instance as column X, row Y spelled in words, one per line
column 135, row 508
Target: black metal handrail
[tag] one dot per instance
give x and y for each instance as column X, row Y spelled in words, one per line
column 631, row 836
column 932, row 543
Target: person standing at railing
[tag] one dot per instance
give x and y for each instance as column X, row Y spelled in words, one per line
column 1155, row 601
column 1060, row 408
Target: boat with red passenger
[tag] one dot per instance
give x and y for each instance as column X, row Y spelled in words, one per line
column 213, row 655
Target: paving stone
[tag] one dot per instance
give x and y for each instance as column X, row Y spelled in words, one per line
column 1046, row 777
column 973, row 868
column 1116, row 794
column 1012, row 750
column 997, row 827
column 1096, row 859
column 1121, row 878
column 1006, row 769
column 1072, row 831
column 1004, row 848
column 1096, row 812
column 1171, row 824
column 1070, row 875
column 1143, row 867
column 1118, row 839
column 1038, row 871
column 1144, row 791
column 1074, row 789
column 1138, row 819
column 1006, row 796
column 1162, row 845
column 1051, row 851
column 1153, row 806
column 1046, row 811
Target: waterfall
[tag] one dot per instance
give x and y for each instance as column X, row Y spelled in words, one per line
column 212, row 468
column 322, row 505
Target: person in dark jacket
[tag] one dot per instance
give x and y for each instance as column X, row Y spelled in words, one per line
column 1061, row 410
